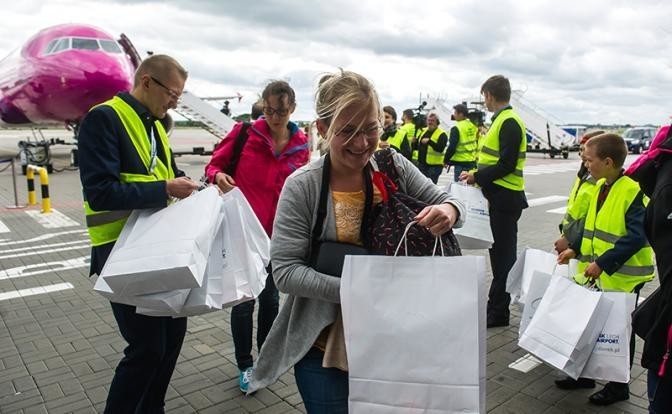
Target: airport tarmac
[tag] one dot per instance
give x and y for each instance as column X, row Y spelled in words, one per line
column 59, row 343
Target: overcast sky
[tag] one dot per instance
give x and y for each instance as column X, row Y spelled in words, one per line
column 585, row 61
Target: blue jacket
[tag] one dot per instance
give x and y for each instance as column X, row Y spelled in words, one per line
column 105, row 150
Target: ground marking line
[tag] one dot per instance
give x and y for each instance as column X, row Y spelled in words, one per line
column 13, row 294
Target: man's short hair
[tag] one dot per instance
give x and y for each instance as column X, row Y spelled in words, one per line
column 408, row 113
column 158, row 65
column 499, row 87
column 461, row 109
column 389, row 110
column 609, row 146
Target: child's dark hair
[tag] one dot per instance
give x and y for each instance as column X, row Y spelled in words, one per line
column 609, row 146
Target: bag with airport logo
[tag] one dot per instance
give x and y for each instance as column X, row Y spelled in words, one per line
column 476, row 232
column 566, row 325
column 610, row 359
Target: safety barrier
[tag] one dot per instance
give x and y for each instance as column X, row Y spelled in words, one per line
column 16, row 193
column 44, row 184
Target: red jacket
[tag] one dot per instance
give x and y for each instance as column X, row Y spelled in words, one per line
column 261, row 173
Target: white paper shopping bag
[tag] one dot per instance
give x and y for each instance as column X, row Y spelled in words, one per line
column 476, row 232
column 415, row 333
column 566, row 325
column 610, row 359
column 165, row 302
column 236, row 268
column 164, row 250
column 538, row 286
column 520, row 275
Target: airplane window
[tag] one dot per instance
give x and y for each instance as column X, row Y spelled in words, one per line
column 84, row 44
column 50, row 46
column 109, row 46
column 62, row 44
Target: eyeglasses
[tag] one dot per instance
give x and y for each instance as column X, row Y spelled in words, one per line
column 269, row 111
column 351, row 132
column 173, row 95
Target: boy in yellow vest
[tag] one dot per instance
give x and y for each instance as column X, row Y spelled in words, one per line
column 613, row 248
column 579, row 201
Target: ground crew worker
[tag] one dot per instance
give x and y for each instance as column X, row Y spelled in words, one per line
column 431, row 148
column 500, row 174
column 462, row 145
column 126, row 163
column 409, row 133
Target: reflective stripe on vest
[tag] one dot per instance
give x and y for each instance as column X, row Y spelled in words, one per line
column 105, row 226
column 604, row 228
column 466, row 146
column 433, row 157
column 489, row 151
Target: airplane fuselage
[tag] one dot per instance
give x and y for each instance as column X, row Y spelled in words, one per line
column 60, row 73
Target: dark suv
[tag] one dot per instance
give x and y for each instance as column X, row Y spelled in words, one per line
column 639, row 139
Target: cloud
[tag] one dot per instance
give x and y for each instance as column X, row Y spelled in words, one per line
column 599, row 61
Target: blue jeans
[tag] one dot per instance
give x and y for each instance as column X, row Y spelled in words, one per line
column 241, row 322
column 431, row 171
column 660, row 393
column 142, row 376
column 323, row 390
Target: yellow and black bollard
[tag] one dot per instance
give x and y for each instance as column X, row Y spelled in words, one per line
column 44, row 186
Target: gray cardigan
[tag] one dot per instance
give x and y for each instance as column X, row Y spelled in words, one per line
column 313, row 298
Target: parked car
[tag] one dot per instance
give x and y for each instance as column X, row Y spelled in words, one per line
column 639, row 139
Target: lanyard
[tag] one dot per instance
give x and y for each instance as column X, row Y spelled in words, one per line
column 152, row 152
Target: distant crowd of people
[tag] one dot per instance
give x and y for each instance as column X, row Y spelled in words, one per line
column 612, row 225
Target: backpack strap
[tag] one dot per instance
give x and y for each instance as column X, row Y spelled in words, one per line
column 241, row 139
column 385, row 162
column 322, row 204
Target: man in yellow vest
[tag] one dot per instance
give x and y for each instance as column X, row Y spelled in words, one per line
column 431, row 147
column 461, row 151
column 613, row 251
column 392, row 136
column 407, row 132
column 126, row 163
column 499, row 172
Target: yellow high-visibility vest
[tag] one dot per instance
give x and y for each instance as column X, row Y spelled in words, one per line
column 489, row 151
column 602, row 231
column 105, row 226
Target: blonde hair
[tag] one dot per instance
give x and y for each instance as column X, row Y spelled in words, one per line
column 158, row 65
column 344, row 89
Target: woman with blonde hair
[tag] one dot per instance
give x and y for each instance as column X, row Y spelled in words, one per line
column 308, row 333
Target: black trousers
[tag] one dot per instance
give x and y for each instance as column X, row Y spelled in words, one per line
column 241, row 322
column 504, row 226
column 142, row 376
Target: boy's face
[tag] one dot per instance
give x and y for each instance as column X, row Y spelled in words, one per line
column 597, row 166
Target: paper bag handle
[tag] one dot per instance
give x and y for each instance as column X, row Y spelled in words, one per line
column 404, row 240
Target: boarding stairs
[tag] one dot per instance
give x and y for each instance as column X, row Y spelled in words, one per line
column 211, row 119
column 545, row 135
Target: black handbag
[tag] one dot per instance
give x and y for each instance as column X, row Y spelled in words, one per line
column 328, row 256
column 389, row 219
column 645, row 315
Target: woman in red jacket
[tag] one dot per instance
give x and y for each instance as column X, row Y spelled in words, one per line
column 275, row 147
